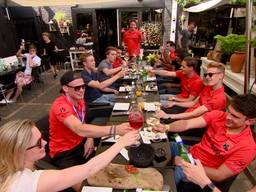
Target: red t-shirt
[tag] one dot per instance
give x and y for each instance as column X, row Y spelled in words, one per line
column 211, row 99
column 117, row 63
column 218, row 147
column 63, row 138
column 132, row 40
column 189, row 86
column 172, row 55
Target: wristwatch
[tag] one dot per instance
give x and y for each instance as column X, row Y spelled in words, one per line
column 209, row 188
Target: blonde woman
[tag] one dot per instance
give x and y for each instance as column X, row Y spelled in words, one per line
column 21, row 144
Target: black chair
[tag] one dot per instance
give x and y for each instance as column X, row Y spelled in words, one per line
column 98, row 113
column 46, row 163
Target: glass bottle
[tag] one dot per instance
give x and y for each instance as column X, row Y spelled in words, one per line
column 182, row 149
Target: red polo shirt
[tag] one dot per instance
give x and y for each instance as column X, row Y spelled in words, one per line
column 189, row 86
column 172, row 55
column 63, row 138
column 132, row 40
column 117, row 63
column 218, row 147
column 211, row 99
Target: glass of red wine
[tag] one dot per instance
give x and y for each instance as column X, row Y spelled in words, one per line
column 136, row 119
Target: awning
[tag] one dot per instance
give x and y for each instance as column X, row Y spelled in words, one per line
column 86, row 3
column 210, row 4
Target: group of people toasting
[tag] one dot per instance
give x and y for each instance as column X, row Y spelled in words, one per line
column 226, row 148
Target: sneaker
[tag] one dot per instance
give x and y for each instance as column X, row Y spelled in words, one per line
column 3, row 101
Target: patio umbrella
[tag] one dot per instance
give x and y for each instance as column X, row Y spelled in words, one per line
column 32, row 3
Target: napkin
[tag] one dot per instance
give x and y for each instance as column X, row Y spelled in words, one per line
column 121, row 107
column 151, row 78
column 96, row 189
column 149, row 106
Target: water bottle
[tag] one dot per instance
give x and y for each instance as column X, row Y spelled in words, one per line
column 182, row 150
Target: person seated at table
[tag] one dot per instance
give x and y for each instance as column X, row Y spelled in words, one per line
column 94, row 87
column 168, row 55
column 191, row 83
column 24, row 78
column 196, row 174
column 227, row 146
column 105, row 67
column 212, row 97
column 119, row 61
column 68, row 128
column 21, row 145
column 167, row 85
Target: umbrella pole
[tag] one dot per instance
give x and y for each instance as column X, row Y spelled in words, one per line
column 249, row 4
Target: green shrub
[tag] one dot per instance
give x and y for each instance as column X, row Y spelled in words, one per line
column 231, row 43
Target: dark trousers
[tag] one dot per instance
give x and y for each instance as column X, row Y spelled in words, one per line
column 71, row 157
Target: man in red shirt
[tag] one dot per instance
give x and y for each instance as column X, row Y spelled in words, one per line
column 168, row 56
column 132, row 39
column 191, row 83
column 227, row 146
column 211, row 98
column 119, row 61
column 68, row 127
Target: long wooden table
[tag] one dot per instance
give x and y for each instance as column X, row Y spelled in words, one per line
column 164, row 167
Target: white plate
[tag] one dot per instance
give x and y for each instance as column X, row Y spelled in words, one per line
column 96, row 189
column 149, row 106
column 151, row 78
column 150, row 88
column 125, row 89
column 121, row 106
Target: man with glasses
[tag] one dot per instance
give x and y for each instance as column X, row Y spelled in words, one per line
column 227, row 146
column 68, row 128
column 211, row 98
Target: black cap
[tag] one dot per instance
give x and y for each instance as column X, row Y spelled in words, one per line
column 68, row 77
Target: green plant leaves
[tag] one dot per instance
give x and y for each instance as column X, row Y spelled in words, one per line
column 231, row 43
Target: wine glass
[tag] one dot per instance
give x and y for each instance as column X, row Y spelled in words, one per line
column 136, row 119
column 126, row 58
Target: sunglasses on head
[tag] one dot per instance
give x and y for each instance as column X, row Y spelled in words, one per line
column 77, row 88
column 210, row 74
column 38, row 144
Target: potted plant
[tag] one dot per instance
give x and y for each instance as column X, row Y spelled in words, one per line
column 233, row 44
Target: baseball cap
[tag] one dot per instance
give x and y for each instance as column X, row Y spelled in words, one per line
column 68, row 77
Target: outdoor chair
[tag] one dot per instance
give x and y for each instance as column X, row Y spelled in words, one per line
column 3, row 91
column 96, row 113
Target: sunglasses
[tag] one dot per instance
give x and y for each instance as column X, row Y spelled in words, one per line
column 38, row 144
column 77, row 88
column 210, row 74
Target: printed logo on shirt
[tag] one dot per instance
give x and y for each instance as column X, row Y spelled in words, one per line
column 214, row 148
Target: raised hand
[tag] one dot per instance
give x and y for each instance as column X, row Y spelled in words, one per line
column 129, row 138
